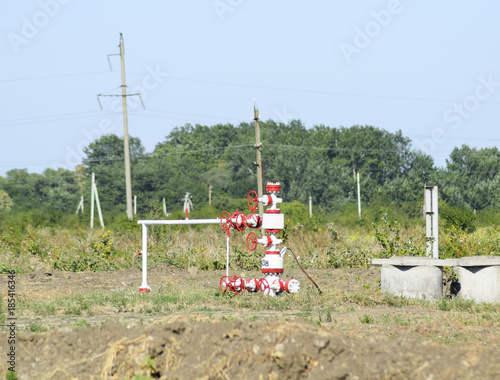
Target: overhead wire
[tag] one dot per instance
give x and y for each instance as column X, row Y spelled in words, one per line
column 274, row 88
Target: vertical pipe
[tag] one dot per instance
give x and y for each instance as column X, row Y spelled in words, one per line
column 359, row 197
column 227, row 254
column 135, row 204
column 310, row 207
column 92, row 202
column 144, row 286
column 164, row 207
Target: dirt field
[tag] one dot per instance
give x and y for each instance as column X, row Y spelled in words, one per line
column 96, row 325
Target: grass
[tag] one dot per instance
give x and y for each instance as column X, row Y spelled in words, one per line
column 322, row 247
column 367, row 319
column 37, row 327
column 356, row 307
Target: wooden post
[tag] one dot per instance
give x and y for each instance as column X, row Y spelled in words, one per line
column 92, row 202
column 98, row 206
column 359, row 197
column 95, row 195
column 80, row 206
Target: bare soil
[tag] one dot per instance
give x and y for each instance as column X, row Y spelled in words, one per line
column 350, row 331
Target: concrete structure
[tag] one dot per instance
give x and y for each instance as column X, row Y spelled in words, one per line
column 479, row 278
column 431, row 204
column 422, row 277
column 424, row 282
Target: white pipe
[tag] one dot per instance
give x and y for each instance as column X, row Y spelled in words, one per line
column 179, row 221
column 144, row 286
column 227, row 255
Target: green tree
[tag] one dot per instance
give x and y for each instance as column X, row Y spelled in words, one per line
column 5, row 201
column 105, row 158
column 472, row 178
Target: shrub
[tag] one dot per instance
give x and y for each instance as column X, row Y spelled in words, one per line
column 458, row 217
column 388, row 236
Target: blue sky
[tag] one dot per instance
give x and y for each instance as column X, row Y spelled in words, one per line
column 429, row 68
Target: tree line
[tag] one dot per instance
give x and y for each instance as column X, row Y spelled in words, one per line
column 319, row 162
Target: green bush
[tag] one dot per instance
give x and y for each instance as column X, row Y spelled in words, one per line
column 389, row 236
column 459, row 217
column 488, row 217
column 245, row 260
column 99, row 256
column 348, row 258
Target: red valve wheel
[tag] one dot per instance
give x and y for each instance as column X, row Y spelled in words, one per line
column 252, row 241
column 254, row 199
column 264, row 286
column 225, row 220
column 240, row 221
column 238, row 285
column 224, row 283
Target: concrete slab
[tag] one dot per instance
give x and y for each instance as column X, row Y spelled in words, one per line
column 478, row 261
column 412, row 261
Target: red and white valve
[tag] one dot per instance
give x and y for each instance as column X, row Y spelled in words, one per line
column 272, row 264
column 238, row 285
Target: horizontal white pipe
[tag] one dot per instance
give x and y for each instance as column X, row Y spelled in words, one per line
column 179, row 221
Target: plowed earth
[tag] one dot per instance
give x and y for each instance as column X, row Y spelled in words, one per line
column 350, row 331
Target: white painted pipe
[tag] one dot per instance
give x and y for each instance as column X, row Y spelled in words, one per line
column 145, row 223
column 144, row 287
column 178, row 221
column 227, row 255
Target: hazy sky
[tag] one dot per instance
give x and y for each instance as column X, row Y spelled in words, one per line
column 429, row 68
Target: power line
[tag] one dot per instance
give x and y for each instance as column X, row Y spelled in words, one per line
column 274, row 88
column 51, row 118
column 338, row 149
column 51, row 77
column 324, row 92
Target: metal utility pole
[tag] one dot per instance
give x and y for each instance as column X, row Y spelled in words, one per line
column 128, row 178
column 258, row 145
